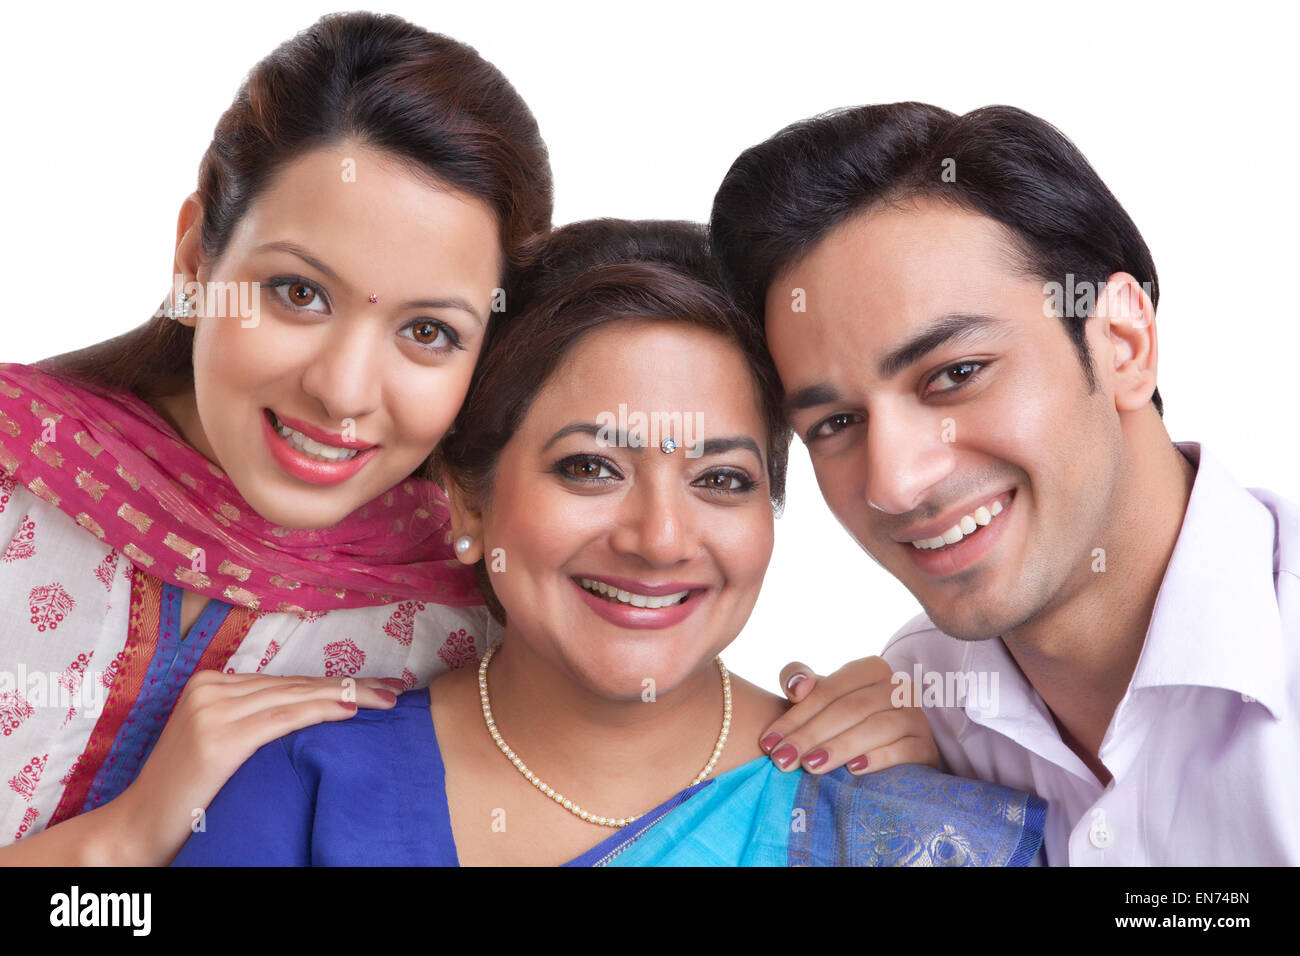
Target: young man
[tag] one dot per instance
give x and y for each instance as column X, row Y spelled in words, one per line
column 964, row 318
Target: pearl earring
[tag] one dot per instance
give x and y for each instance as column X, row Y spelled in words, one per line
column 464, row 543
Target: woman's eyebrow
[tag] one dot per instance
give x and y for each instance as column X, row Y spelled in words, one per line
column 301, row 253
column 711, row 446
column 446, row 302
column 718, row 446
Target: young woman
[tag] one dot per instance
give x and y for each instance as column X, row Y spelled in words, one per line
column 613, row 475
column 239, row 488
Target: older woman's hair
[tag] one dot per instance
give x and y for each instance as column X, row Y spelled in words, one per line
column 580, row 278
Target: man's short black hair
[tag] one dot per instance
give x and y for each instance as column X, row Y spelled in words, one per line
column 781, row 197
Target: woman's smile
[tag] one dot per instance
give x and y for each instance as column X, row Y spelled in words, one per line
column 307, row 457
column 636, row 604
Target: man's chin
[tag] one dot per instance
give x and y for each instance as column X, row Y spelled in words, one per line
column 970, row 624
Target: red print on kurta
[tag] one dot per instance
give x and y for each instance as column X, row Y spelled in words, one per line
column 48, row 605
column 401, row 625
column 458, row 650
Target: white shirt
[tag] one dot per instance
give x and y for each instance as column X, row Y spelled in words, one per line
column 1204, row 747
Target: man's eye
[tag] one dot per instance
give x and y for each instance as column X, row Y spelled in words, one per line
column 957, row 375
column 832, row 425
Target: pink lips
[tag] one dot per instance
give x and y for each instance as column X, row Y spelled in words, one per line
column 297, row 465
column 642, row 618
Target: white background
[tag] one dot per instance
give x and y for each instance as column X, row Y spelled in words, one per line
column 1188, row 117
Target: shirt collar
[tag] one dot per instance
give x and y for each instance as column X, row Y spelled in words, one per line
column 1216, row 621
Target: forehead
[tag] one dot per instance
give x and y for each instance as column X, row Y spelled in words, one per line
column 901, row 267
column 650, row 366
column 352, row 204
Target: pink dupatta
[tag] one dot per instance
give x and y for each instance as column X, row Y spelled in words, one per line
column 114, row 466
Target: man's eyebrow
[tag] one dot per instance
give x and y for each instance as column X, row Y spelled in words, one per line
column 811, row 396
column 954, row 327
column 447, row 302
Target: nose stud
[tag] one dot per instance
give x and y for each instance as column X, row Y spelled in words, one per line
column 373, row 297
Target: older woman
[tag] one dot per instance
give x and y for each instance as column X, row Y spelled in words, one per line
column 613, row 474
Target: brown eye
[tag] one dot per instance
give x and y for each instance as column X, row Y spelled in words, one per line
column 725, row 481
column 583, row 469
column 431, row 335
column 301, row 294
column 586, row 469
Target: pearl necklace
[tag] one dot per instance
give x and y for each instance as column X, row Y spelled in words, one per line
column 560, row 798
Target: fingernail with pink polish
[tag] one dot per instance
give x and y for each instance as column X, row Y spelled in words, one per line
column 348, row 705
column 815, row 759
column 857, row 764
column 785, row 756
column 790, row 684
column 396, row 683
column 770, row 741
column 386, row 695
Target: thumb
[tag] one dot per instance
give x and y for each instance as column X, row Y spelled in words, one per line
column 797, row 681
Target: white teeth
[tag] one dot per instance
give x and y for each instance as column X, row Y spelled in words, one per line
column 311, row 448
column 980, row 517
column 627, row 597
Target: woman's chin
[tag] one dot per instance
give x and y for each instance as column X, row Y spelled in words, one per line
column 296, row 511
column 646, row 679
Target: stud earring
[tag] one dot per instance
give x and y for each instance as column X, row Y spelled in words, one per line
column 464, row 543
column 181, row 309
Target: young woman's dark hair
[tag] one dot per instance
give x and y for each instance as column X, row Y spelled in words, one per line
column 424, row 98
column 580, row 278
column 782, row 196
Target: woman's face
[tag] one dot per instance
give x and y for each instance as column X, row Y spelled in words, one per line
column 375, row 289
column 576, row 508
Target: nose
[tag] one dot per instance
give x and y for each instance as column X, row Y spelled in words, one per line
column 345, row 373
column 656, row 523
column 909, row 451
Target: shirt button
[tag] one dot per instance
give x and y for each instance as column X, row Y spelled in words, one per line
column 1099, row 834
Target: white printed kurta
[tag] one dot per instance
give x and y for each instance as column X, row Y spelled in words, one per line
column 79, row 649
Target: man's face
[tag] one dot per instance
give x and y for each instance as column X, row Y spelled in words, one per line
column 942, row 408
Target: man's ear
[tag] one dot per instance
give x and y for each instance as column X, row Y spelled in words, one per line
column 188, row 261
column 466, row 522
column 1128, row 320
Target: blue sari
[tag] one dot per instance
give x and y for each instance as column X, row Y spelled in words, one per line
column 756, row 815
column 371, row 791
